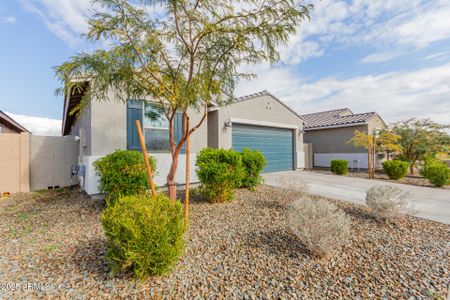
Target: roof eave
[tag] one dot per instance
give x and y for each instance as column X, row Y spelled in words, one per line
column 335, row 126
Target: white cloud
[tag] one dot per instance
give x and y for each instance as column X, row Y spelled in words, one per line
column 381, row 57
column 424, row 93
column 438, row 55
column 8, row 19
column 38, row 125
column 393, row 27
column 65, row 18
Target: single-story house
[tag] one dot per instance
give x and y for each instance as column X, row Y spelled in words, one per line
column 9, row 125
column 329, row 132
column 258, row 121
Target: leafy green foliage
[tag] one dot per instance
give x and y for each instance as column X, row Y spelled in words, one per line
column 436, row 171
column 220, row 172
column 254, row 163
column 339, row 166
column 123, row 173
column 395, row 169
column 419, row 138
column 188, row 59
column 144, row 234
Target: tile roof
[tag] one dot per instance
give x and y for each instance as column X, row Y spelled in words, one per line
column 336, row 118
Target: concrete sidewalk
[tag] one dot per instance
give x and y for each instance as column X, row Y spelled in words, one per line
column 429, row 203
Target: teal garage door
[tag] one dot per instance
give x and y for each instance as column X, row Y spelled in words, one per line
column 275, row 143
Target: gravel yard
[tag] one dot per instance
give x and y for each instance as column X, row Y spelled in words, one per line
column 242, row 249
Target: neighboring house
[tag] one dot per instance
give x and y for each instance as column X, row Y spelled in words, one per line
column 330, row 131
column 8, row 125
column 258, row 121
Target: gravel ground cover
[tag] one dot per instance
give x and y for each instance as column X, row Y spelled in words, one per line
column 54, row 242
column 379, row 175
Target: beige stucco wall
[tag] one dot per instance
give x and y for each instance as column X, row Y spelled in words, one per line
column 106, row 127
column 51, row 159
column 334, row 140
column 82, row 129
column 309, row 158
column 14, row 162
column 375, row 123
column 262, row 108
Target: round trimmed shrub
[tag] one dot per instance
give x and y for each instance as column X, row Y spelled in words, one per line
column 220, row 172
column 254, row 163
column 395, row 169
column 123, row 173
column 386, row 202
column 437, row 172
column 339, row 166
column 144, row 235
column 319, row 225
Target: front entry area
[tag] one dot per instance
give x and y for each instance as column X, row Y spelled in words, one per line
column 276, row 144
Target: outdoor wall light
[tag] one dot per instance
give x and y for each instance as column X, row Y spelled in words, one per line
column 227, row 123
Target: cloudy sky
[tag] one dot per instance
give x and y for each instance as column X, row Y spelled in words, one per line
column 389, row 56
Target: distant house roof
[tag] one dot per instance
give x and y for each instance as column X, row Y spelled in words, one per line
column 266, row 93
column 337, row 118
column 5, row 119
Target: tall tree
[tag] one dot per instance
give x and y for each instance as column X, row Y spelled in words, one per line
column 421, row 137
column 367, row 141
column 387, row 142
column 186, row 58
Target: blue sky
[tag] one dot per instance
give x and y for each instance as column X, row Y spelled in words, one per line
column 389, row 56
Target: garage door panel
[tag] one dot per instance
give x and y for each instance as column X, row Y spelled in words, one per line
column 276, row 144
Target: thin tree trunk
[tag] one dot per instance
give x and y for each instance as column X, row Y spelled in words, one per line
column 369, row 163
column 171, row 185
column 374, row 157
column 188, row 179
column 411, row 168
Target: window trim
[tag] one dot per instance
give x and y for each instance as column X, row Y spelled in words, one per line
column 153, row 127
column 143, row 116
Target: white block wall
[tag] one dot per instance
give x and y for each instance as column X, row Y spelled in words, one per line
column 324, row 159
column 90, row 181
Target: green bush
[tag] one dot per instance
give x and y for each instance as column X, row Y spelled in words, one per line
column 123, row 173
column 253, row 162
column 395, row 169
column 437, row 172
column 220, row 172
column 339, row 166
column 144, row 235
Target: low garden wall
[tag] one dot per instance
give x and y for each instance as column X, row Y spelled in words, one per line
column 30, row 163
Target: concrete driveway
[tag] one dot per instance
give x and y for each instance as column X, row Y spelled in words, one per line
column 428, row 203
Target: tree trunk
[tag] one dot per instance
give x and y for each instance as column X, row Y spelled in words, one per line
column 411, row 168
column 188, row 177
column 171, row 185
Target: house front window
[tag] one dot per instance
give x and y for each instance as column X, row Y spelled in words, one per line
column 155, row 126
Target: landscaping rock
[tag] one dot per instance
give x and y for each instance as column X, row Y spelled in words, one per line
column 243, row 250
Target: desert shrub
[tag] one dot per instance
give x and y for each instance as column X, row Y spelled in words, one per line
column 144, row 234
column 436, row 171
column 220, row 172
column 319, row 225
column 253, row 162
column 123, row 173
column 293, row 185
column 339, row 166
column 395, row 169
column 386, row 202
